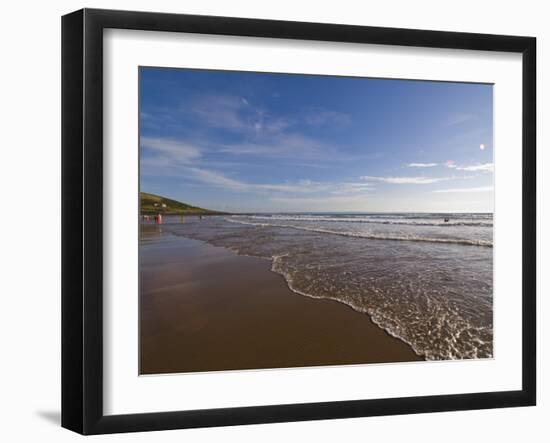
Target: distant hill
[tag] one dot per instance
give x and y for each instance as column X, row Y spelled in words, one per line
column 155, row 204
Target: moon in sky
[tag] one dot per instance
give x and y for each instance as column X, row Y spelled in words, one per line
column 482, row 146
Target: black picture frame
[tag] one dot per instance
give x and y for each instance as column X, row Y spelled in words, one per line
column 82, row 218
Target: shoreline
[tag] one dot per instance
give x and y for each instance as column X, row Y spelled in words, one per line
column 352, row 307
column 192, row 322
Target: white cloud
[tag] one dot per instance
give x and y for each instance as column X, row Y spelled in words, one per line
column 236, row 114
column 450, row 164
column 216, row 179
column 220, row 180
column 461, row 190
column 421, row 165
column 488, row 167
column 355, row 202
column 302, row 186
column 173, row 149
column 177, row 158
column 351, row 188
column 222, row 111
column 279, row 145
column 404, row 180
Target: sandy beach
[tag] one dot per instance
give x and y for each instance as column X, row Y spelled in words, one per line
column 205, row 308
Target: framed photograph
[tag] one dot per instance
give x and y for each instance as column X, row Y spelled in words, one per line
column 269, row 221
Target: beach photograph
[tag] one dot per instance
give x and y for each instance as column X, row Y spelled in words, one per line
column 296, row 220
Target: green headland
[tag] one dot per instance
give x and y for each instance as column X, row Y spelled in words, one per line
column 155, row 204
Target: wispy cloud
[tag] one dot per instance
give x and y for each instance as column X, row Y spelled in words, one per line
column 322, row 117
column 173, row 149
column 303, row 186
column 256, row 131
column 405, row 180
column 464, row 190
column 351, row 188
column 421, row 165
column 280, row 145
column 260, row 132
column 216, row 179
column 486, row 167
column 236, row 114
column 165, row 155
column 221, row 111
column 354, row 202
column 457, row 119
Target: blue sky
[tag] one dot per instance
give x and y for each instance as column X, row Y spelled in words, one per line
column 238, row 141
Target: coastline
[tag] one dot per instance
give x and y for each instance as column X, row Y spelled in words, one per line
column 198, row 313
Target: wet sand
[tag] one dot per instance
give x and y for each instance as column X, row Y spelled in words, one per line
column 204, row 308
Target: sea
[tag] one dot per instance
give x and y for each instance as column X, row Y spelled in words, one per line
column 425, row 278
